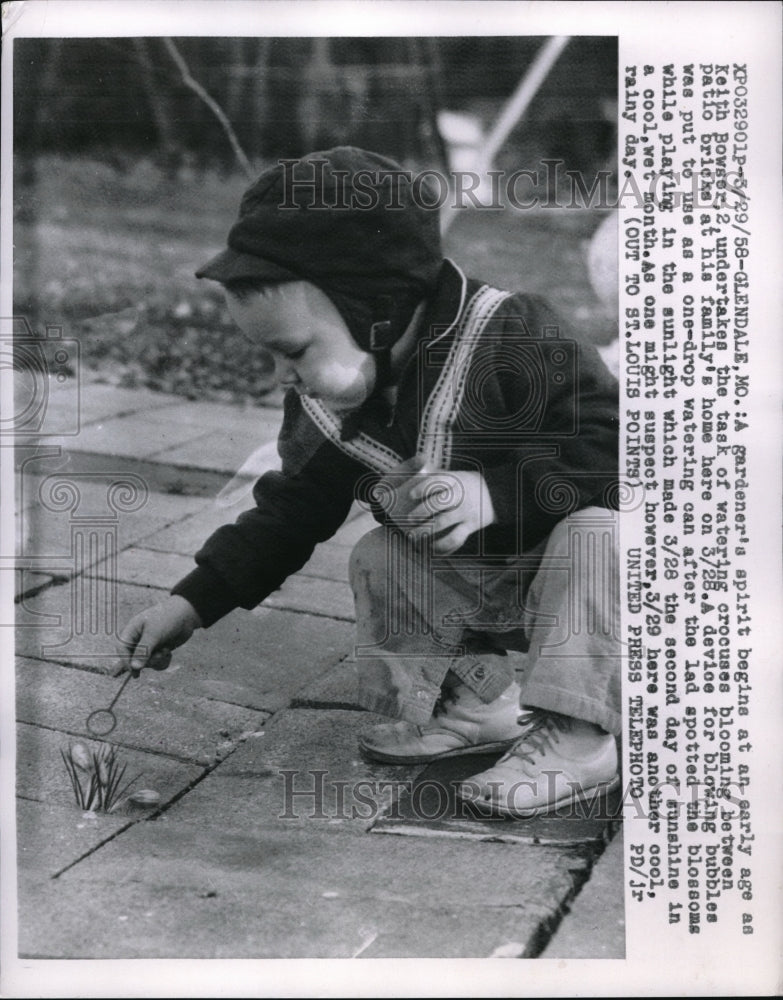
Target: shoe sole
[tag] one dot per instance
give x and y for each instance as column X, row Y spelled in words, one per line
column 500, row 746
column 588, row 798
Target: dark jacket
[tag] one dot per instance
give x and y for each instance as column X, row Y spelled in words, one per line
column 496, row 385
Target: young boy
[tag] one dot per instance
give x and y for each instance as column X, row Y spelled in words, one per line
column 485, row 443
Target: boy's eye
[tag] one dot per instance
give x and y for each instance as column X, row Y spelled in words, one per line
column 295, row 355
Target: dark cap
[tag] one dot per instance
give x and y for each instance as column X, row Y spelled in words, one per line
column 345, row 219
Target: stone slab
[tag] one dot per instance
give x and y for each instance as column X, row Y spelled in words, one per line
column 594, row 926
column 304, row 771
column 188, row 535
column 264, row 423
column 228, row 451
column 45, row 536
column 42, row 777
column 431, row 809
column 258, row 660
column 49, row 837
column 146, row 567
column 27, row 583
column 135, row 435
column 98, row 401
column 160, row 478
column 221, row 875
column 95, row 402
column 148, row 716
column 338, row 688
column 209, row 891
column 311, row 595
column 92, row 489
column 152, row 568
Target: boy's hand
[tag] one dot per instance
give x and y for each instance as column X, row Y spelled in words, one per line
column 148, row 638
column 446, row 506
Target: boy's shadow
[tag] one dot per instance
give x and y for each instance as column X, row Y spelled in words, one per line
column 430, row 806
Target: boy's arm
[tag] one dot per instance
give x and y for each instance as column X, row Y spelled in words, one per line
column 568, row 405
column 242, row 563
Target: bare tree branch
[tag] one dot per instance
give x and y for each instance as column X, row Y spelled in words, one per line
column 212, row 104
column 157, row 102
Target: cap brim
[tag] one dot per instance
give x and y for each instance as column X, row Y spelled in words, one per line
column 231, row 265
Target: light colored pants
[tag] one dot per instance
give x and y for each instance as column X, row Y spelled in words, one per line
column 550, row 619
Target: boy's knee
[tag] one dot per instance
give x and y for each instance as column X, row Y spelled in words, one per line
column 368, row 556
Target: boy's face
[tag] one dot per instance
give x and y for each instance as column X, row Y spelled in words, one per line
column 313, row 349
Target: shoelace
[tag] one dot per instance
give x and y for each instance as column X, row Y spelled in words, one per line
column 543, row 732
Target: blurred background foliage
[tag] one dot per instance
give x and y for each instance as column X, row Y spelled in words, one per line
column 124, row 181
column 287, row 96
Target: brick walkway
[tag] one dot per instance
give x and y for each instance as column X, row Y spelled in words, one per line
column 231, row 865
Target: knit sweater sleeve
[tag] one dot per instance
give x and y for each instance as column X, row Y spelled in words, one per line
column 560, row 407
column 242, row 563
